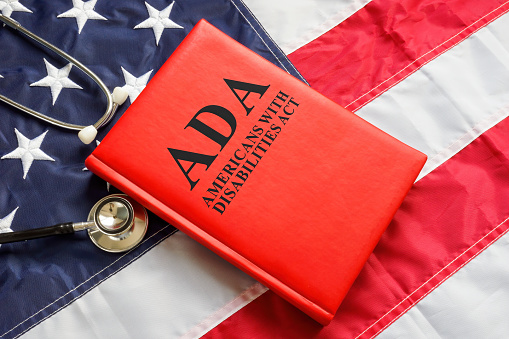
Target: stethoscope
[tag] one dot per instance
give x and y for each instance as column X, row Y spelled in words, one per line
column 116, row 223
column 86, row 134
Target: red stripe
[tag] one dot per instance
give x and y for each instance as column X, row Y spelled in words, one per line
column 428, row 286
column 386, row 41
column 449, row 217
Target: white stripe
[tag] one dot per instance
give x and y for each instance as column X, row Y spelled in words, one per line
column 219, row 316
column 292, row 24
column 178, row 288
column 473, row 303
column 450, row 101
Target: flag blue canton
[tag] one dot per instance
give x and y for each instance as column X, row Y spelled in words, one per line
column 44, row 181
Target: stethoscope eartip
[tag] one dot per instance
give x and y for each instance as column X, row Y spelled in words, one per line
column 87, row 134
column 119, row 95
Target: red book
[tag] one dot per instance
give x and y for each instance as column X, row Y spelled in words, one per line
column 260, row 168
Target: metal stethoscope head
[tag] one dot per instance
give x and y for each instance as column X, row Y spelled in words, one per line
column 116, row 223
column 86, row 134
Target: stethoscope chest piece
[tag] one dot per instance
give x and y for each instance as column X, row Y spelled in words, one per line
column 121, row 223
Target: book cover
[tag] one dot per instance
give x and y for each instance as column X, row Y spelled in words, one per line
column 260, row 168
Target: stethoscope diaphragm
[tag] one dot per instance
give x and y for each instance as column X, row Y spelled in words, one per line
column 116, row 223
column 121, row 223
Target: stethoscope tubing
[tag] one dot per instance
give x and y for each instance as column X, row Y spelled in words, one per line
column 109, row 98
column 125, row 227
column 63, row 228
column 86, row 133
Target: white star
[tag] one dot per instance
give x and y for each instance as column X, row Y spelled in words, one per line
column 82, row 11
column 9, row 6
column 134, row 85
column 28, row 151
column 158, row 20
column 5, row 222
column 56, row 80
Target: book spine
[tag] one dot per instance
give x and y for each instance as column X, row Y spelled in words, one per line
column 103, row 170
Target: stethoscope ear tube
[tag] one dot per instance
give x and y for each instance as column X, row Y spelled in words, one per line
column 86, row 134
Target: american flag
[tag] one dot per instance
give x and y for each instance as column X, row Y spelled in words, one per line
column 44, row 180
column 433, row 73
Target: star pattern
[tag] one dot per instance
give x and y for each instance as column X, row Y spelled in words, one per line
column 9, row 6
column 28, row 151
column 82, row 11
column 134, row 85
column 158, row 21
column 6, row 222
column 56, row 80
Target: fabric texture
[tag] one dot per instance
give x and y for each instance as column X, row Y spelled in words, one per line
column 434, row 74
